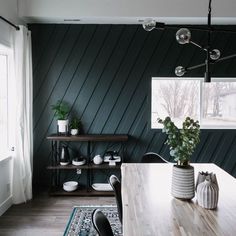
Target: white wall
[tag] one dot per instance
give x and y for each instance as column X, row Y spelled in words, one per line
column 9, row 10
column 121, row 11
column 5, row 184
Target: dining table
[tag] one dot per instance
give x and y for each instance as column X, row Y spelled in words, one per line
column 149, row 209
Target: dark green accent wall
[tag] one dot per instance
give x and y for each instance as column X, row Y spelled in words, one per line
column 104, row 73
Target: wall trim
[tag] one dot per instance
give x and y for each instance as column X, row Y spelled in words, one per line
column 6, row 205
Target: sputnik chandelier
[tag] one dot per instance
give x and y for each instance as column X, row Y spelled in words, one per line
column 183, row 36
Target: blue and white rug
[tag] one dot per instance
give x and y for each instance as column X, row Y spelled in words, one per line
column 80, row 223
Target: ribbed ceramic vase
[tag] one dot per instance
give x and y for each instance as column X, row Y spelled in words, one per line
column 183, row 182
column 208, row 194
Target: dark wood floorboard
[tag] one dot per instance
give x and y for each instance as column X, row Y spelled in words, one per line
column 44, row 215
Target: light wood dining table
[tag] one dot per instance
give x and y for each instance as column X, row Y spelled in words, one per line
column 150, row 210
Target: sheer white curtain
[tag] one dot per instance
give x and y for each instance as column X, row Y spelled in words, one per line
column 23, row 153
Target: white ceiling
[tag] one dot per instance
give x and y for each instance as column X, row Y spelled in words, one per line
column 126, row 11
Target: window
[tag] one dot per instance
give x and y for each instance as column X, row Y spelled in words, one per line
column 5, row 105
column 213, row 104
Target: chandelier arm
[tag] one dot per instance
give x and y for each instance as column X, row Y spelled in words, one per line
column 211, row 62
column 197, row 45
column 225, row 58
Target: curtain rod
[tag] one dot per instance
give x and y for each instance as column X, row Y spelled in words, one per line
column 8, row 22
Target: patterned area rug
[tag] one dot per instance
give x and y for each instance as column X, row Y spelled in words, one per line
column 80, row 223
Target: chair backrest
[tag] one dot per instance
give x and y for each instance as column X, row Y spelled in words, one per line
column 116, row 186
column 101, row 223
column 152, row 157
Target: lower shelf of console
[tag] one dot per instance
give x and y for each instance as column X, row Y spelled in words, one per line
column 58, row 191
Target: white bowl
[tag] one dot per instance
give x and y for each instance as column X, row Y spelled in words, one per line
column 70, row 186
column 78, row 163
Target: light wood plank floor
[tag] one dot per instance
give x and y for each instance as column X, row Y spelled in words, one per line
column 44, row 215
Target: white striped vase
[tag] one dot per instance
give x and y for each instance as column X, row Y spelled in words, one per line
column 207, row 194
column 183, row 182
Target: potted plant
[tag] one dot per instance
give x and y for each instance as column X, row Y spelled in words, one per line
column 75, row 126
column 61, row 113
column 182, row 143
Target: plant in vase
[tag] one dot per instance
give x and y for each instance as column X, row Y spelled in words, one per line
column 75, row 126
column 61, row 110
column 182, row 143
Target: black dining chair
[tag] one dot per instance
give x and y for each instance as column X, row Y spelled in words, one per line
column 152, row 157
column 116, row 186
column 101, row 223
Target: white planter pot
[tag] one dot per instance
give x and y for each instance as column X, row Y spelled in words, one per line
column 183, row 182
column 62, row 126
column 74, row 131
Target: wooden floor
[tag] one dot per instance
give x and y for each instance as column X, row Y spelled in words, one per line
column 44, row 215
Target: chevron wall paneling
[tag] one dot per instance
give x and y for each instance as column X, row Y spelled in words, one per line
column 103, row 72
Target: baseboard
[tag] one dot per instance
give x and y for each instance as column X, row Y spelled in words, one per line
column 5, row 205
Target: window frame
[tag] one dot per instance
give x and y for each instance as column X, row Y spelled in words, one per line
column 8, row 52
column 202, row 126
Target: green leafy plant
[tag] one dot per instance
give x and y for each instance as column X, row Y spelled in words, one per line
column 182, row 142
column 61, row 110
column 75, row 123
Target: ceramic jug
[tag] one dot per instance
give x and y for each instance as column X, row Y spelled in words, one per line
column 64, row 155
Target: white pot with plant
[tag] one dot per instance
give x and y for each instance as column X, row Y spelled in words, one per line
column 61, row 113
column 182, row 143
column 75, row 126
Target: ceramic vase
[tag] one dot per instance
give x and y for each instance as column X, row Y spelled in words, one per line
column 208, row 194
column 183, row 182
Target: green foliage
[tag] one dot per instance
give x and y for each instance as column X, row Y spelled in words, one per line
column 61, row 110
column 75, row 123
column 183, row 141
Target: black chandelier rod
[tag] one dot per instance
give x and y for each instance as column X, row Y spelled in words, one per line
column 208, row 65
column 10, row 23
column 211, row 62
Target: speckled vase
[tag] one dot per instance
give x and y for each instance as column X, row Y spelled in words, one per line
column 208, row 194
column 183, row 182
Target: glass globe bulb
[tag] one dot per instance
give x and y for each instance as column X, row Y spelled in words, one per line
column 215, row 54
column 149, row 24
column 180, row 71
column 183, row 36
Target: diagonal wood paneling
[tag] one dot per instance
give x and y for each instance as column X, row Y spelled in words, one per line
column 103, row 72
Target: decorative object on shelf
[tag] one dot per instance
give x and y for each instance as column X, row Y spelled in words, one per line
column 64, row 156
column 97, row 160
column 112, row 157
column 102, row 187
column 61, row 112
column 183, row 36
column 207, row 190
column 182, row 143
column 75, row 126
column 78, row 161
column 70, row 186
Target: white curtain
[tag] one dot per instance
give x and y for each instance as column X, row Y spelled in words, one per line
column 23, row 153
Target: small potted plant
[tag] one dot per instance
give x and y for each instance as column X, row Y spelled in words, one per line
column 61, row 113
column 182, row 143
column 75, row 126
